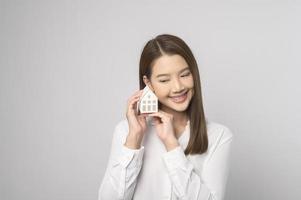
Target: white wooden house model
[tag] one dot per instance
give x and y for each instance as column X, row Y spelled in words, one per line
column 148, row 102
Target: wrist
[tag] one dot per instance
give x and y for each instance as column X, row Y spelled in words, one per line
column 133, row 141
column 171, row 143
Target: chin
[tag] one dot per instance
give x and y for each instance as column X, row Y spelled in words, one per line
column 180, row 108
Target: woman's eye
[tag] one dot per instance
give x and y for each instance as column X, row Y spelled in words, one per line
column 163, row 81
column 186, row 74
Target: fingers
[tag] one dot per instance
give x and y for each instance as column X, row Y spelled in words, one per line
column 157, row 114
column 139, row 92
column 144, row 114
column 135, row 95
column 141, row 118
column 133, row 99
column 163, row 115
column 156, row 120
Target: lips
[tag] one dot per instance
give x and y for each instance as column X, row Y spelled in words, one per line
column 180, row 98
column 178, row 95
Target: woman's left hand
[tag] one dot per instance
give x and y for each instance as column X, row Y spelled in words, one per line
column 164, row 127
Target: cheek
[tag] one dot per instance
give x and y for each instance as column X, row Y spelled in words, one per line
column 162, row 94
column 160, row 91
column 189, row 83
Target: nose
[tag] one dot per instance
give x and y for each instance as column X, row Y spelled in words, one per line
column 177, row 86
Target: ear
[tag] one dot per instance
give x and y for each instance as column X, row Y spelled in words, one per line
column 148, row 83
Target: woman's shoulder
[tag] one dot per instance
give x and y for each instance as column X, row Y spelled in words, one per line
column 218, row 132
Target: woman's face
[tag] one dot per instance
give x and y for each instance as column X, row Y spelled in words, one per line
column 172, row 82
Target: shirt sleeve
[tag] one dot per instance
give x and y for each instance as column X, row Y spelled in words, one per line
column 188, row 184
column 124, row 165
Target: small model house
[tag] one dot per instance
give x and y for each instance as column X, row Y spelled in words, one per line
column 148, row 102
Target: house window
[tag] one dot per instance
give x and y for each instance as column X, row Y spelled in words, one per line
column 148, row 107
column 154, row 107
column 143, row 108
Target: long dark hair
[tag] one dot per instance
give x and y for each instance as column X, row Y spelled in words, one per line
column 166, row 44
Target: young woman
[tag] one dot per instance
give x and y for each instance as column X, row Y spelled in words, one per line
column 175, row 153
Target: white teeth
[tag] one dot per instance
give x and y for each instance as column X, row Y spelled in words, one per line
column 180, row 98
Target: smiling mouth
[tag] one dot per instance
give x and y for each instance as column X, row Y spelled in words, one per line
column 179, row 95
column 180, row 98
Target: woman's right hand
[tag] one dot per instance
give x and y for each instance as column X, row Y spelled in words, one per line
column 137, row 123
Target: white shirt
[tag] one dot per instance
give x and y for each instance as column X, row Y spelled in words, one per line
column 153, row 173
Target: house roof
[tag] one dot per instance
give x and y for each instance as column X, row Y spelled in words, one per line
column 147, row 90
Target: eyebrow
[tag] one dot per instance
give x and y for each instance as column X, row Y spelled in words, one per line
column 168, row 74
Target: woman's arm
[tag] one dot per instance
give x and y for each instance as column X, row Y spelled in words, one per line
column 188, row 184
column 122, row 170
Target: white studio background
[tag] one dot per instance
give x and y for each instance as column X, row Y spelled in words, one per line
column 67, row 69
